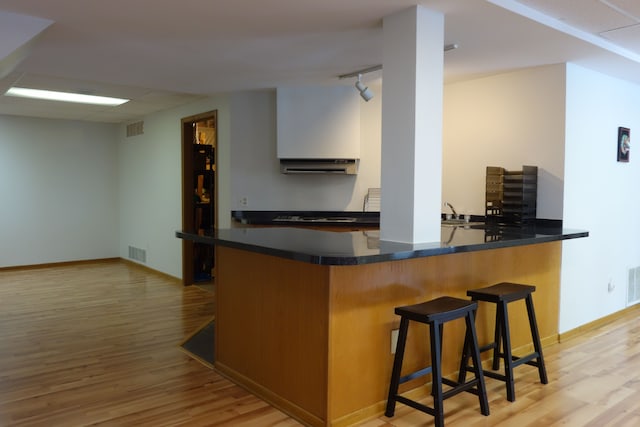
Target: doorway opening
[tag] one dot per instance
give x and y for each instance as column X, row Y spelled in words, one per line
column 199, row 195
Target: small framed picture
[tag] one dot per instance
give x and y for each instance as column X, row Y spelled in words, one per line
column 624, row 144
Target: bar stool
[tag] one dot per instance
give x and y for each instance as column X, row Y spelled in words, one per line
column 502, row 294
column 435, row 313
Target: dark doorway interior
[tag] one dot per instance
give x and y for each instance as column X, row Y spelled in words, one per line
column 199, row 194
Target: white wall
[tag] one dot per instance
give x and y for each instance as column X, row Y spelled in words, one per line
column 150, row 184
column 58, row 186
column 255, row 167
column 149, row 166
column 507, row 120
column 600, row 196
column 564, row 119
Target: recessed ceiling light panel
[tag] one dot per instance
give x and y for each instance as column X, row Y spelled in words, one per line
column 64, row 96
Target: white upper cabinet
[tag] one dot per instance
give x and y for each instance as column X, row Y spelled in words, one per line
column 318, row 122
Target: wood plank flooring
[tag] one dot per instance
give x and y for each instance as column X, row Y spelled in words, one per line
column 98, row 344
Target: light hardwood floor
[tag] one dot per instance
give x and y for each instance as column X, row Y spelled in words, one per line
column 98, row 344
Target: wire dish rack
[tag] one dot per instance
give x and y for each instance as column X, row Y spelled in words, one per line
column 372, row 201
column 511, row 196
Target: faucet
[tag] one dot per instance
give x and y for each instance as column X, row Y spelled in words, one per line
column 455, row 214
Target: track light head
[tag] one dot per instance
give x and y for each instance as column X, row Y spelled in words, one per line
column 365, row 93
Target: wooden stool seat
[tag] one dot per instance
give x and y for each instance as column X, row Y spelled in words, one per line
column 502, row 294
column 435, row 313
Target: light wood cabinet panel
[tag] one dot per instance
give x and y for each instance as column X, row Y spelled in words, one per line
column 315, row 340
column 272, row 325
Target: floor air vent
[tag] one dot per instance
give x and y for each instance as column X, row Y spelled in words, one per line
column 137, row 254
column 633, row 289
column 134, row 129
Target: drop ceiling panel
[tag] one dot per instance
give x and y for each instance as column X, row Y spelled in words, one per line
column 628, row 37
column 590, row 16
column 631, row 7
column 51, row 113
column 167, row 99
column 142, row 101
column 110, row 117
column 56, row 110
column 36, row 81
column 46, row 105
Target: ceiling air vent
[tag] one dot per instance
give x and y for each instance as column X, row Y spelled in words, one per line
column 134, row 129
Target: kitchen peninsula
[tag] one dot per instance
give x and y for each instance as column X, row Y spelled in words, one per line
column 304, row 317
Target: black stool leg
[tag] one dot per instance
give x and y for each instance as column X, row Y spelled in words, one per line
column 497, row 338
column 464, row 360
column 471, row 350
column 508, row 357
column 535, row 335
column 466, row 354
column 440, row 329
column 397, row 367
column 436, row 373
column 477, row 362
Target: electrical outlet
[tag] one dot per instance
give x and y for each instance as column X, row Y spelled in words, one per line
column 244, row 201
column 394, row 340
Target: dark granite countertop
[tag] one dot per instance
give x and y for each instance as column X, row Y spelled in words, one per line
column 364, row 247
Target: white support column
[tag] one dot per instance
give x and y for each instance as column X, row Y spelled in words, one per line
column 412, row 126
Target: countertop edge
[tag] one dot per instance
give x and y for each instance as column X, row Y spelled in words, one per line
column 388, row 255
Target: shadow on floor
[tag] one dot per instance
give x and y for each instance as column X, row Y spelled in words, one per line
column 200, row 344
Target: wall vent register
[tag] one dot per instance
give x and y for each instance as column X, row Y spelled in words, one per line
column 135, row 129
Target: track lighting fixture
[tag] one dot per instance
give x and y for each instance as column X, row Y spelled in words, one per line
column 365, row 92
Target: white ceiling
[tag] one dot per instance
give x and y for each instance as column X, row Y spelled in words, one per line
column 164, row 53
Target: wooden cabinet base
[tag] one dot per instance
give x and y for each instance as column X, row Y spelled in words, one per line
column 315, row 340
column 268, row 395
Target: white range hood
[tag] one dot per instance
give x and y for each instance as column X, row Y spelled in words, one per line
column 318, row 129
